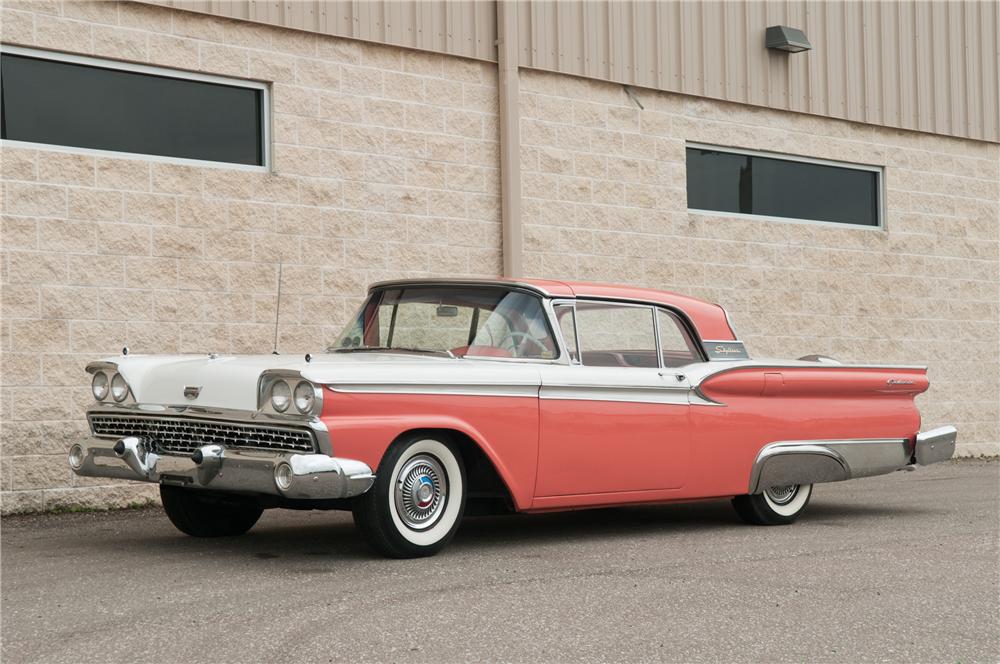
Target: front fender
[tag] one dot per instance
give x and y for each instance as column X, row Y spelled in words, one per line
column 504, row 428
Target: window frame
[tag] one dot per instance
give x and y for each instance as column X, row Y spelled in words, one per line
column 878, row 170
column 685, row 326
column 685, row 329
column 571, row 304
column 266, row 113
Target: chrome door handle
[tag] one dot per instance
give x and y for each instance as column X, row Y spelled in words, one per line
column 679, row 377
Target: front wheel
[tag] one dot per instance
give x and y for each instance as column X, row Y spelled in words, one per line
column 201, row 514
column 417, row 501
column 775, row 506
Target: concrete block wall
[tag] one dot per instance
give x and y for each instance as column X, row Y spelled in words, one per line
column 384, row 165
column 605, row 199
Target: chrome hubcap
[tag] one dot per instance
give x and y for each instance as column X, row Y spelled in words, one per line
column 421, row 488
column 782, row 495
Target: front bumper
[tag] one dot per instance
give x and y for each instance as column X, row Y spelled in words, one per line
column 283, row 474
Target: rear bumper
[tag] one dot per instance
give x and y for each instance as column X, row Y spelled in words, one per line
column 935, row 445
column 288, row 475
column 814, row 461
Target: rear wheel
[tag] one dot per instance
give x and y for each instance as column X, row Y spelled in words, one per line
column 415, row 506
column 775, row 506
column 201, row 514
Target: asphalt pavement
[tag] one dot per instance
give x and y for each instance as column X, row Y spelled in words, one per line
column 896, row 568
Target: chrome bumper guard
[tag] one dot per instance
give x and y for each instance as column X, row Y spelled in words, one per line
column 815, row 461
column 284, row 474
column 935, row 445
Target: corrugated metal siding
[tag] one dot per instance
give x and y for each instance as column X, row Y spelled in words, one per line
column 913, row 64
column 457, row 27
column 930, row 66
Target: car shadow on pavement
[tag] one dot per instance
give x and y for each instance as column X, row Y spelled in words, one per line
column 333, row 536
column 632, row 521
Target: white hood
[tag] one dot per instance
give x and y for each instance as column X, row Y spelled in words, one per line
column 230, row 381
column 225, row 381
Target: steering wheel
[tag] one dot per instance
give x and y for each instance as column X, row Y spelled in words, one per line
column 516, row 339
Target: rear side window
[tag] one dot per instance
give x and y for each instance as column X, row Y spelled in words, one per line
column 615, row 335
column 675, row 342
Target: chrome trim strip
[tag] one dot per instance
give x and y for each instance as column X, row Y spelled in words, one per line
column 697, row 398
column 729, row 322
column 814, row 461
column 471, row 390
column 319, row 429
column 621, row 393
column 103, row 365
column 514, row 284
column 701, row 372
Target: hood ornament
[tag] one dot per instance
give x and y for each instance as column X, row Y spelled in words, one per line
column 192, row 391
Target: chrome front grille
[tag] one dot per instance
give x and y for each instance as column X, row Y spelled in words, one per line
column 183, row 435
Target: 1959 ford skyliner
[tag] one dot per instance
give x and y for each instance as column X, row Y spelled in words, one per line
column 447, row 397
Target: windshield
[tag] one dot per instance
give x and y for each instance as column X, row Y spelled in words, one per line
column 463, row 321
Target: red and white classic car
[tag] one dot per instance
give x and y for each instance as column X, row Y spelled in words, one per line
column 447, row 397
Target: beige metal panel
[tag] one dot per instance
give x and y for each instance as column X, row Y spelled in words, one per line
column 989, row 34
column 913, row 64
column 456, row 27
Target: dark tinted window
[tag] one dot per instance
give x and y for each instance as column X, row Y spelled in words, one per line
column 60, row 103
column 750, row 184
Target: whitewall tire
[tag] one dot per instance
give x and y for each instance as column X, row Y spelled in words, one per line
column 775, row 505
column 418, row 499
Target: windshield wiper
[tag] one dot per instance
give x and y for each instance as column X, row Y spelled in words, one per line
column 401, row 349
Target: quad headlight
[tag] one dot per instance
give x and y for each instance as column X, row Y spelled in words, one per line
column 108, row 385
column 119, row 388
column 281, row 395
column 288, row 393
column 99, row 385
column 305, row 397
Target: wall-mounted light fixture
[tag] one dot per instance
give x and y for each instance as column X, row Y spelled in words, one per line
column 783, row 38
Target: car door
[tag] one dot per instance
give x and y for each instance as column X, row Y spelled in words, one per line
column 615, row 418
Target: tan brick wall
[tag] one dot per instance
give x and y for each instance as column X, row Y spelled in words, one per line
column 385, row 165
column 605, row 200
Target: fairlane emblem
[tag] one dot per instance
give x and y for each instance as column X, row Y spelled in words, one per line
column 897, row 381
column 192, row 391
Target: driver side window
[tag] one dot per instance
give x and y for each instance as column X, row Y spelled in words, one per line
column 517, row 327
